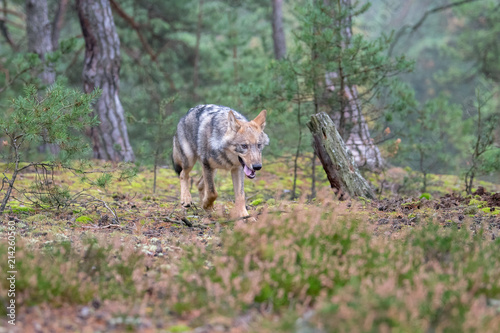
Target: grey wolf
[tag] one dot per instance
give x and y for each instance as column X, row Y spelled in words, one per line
column 220, row 138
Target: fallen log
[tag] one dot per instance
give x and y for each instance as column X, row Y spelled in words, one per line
column 337, row 160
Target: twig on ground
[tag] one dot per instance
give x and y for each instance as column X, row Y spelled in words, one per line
column 93, row 226
column 183, row 221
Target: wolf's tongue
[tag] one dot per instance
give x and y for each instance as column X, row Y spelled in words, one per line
column 248, row 172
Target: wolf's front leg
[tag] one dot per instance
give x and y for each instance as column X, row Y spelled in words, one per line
column 208, row 188
column 240, row 209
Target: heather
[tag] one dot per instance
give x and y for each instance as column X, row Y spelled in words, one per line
column 322, row 265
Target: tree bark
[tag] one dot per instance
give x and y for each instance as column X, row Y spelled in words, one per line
column 278, row 32
column 196, row 63
column 350, row 120
column 101, row 69
column 38, row 31
column 336, row 158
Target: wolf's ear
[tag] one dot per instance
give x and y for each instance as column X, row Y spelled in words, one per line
column 234, row 124
column 261, row 119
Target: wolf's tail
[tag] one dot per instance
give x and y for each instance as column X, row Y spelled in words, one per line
column 177, row 167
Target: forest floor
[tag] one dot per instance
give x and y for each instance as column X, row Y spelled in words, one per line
column 125, row 259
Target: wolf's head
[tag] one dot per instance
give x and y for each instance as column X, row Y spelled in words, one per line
column 248, row 141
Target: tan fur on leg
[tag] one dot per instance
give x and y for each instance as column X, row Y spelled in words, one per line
column 186, row 200
column 240, row 209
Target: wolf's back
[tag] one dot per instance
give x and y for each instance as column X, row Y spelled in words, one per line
column 198, row 132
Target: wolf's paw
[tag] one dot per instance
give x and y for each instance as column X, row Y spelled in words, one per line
column 186, row 201
column 209, row 206
column 186, row 204
column 243, row 214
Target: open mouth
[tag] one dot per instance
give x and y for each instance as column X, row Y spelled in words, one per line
column 248, row 172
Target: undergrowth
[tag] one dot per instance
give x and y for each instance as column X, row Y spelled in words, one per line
column 406, row 266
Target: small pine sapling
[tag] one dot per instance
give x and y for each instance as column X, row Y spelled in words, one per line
column 58, row 117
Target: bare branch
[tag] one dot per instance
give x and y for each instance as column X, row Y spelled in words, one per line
column 415, row 27
column 58, row 22
column 136, row 27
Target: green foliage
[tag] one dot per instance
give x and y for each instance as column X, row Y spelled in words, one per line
column 429, row 142
column 321, row 57
column 58, row 118
column 484, row 156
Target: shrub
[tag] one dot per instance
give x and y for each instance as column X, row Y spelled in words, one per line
column 431, row 278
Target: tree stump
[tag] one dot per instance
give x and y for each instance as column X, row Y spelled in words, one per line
column 336, row 158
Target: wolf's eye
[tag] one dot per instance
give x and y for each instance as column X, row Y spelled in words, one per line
column 244, row 146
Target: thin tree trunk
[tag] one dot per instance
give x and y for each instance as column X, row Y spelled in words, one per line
column 12, row 179
column 38, row 31
column 313, row 176
column 297, row 154
column 101, row 69
column 197, row 51
column 278, row 31
column 351, row 123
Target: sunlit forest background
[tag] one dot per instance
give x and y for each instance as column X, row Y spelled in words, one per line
column 432, row 64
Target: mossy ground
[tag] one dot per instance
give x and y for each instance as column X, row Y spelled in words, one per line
column 411, row 264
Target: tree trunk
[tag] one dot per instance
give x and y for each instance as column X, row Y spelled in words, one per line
column 350, row 120
column 101, row 69
column 278, row 32
column 197, row 51
column 38, row 31
column 336, row 158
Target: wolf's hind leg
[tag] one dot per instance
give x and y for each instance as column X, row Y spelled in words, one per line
column 201, row 188
column 209, row 192
column 183, row 160
column 186, row 200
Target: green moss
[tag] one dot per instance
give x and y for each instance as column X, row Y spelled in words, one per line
column 84, row 219
column 495, row 211
column 478, row 203
column 21, row 209
column 364, row 200
column 412, row 203
column 428, row 196
column 179, row 328
column 257, row 202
